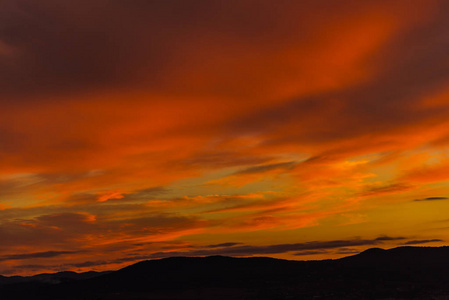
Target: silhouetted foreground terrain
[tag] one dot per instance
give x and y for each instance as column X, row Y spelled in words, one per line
column 399, row 273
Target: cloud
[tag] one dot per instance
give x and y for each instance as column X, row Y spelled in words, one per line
column 239, row 249
column 251, row 203
column 146, row 193
column 144, row 123
column 88, row 264
column 265, row 168
column 432, row 199
column 35, row 255
column 248, row 250
column 388, row 238
column 416, row 242
column 151, row 56
column 311, row 252
column 86, row 230
column 347, row 251
column 428, row 174
column 55, row 230
column 67, row 219
column 386, row 189
column 222, row 245
column 72, row 62
column 26, row 267
column 223, row 159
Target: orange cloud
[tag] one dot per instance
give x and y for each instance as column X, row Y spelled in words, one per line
column 224, row 119
column 108, row 195
column 428, row 174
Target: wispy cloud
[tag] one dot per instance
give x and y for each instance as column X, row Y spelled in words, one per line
column 35, row 255
column 127, row 141
column 432, row 199
column 299, row 248
column 222, row 245
column 417, row 242
column 265, row 168
column 386, row 189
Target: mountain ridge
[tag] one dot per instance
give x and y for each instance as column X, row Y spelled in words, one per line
column 403, row 272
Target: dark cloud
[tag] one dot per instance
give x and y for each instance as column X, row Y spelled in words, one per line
column 78, row 202
column 32, row 267
column 95, row 263
column 80, row 229
column 233, row 249
column 347, row 251
column 49, row 46
column 57, row 178
column 247, row 250
column 16, row 184
column 81, row 198
column 15, row 213
column 378, row 106
column 53, row 230
column 222, row 245
column 417, row 242
column 432, row 199
column 222, row 159
column 389, row 238
column 145, row 194
column 240, row 203
column 137, row 195
column 89, row 264
column 318, row 159
column 339, row 251
column 35, row 255
column 386, row 189
column 64, row 220
column 264, row 168
column 311, row 252
column 26, row 182
column 56, row 47
column 155, row 224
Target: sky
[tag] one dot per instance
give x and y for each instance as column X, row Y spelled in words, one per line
column 133, row 130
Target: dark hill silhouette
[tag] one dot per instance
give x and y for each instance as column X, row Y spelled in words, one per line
column 52, row 278
column 401, row 255
column 399, row 273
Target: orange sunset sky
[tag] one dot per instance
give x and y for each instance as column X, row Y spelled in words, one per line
column 134, row 130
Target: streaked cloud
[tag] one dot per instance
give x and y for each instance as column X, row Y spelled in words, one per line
column 243, row 121
column 418, row 242
column 432, row 199
column 35, row 255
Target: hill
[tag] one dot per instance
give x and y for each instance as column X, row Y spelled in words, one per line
column 399, row 273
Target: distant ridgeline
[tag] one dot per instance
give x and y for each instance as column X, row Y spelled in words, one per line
column 404, row 273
